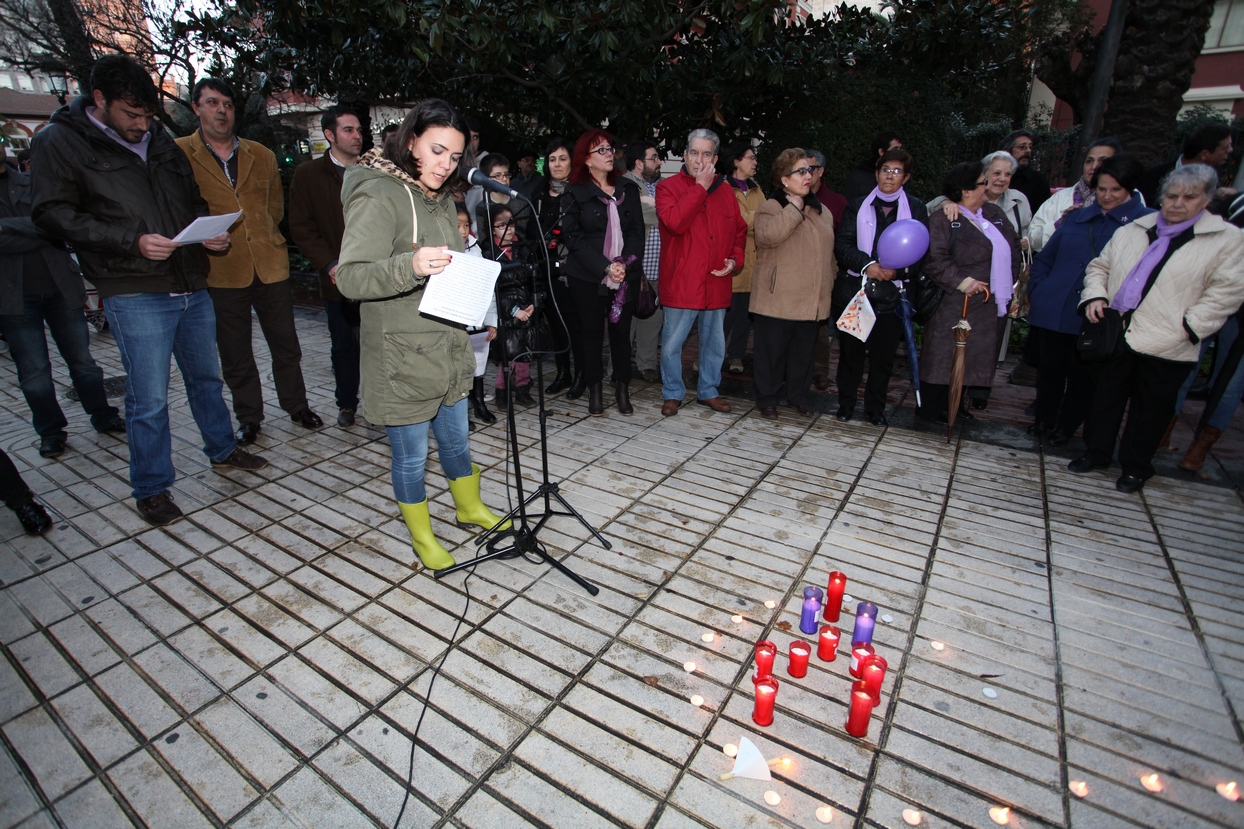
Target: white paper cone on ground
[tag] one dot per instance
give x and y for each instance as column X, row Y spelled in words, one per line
column 749, row 763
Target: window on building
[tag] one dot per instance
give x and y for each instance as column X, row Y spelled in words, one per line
column 1226, row 27
column 6, row 81
column 25, row 83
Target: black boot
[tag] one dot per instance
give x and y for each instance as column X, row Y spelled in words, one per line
column 577, row 387
column 502, row 400
column 595, row 401
column 562, row 380
column 622, row 394
column 477, row 402
column 522, row 396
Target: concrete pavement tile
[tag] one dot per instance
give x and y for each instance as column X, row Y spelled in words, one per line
column 245, row 638
column 211, row 777
column 104, row 569
column 313, row 802
column 119, row 625
column 153, row 794
column 514, row 697
column 483, row 811
column 162, row 616
column 542, row 800
column 91, row 807
column 55, row 764
column 494, row 653
column 928, row 725
column 298, row 602
column 328, row 589
column 585, row 780
column 739, row 803
column 1021, row 693
column 642, row 768
column 184, row 685
column 283, row 716
column 15, row 697
column 38, row 598
column 242, row 567
column 142, row 707
column 210, row 657
column 215, row 581
column 251, row 747
column 43, row 663
column 634, row 724
column 1177, row 725
column 267, row 554
column 346, row 670
column 666, row 701
column 19, row 802
column 379, row 794
column 977, row 713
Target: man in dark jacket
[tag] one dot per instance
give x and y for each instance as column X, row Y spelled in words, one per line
column 1026, row 179
column 316, row 224
column 40, row 283
column 114, row 185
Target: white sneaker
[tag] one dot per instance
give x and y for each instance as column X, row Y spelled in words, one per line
column 736, row 366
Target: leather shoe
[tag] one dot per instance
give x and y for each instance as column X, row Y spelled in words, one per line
column 241, row 459
column 52, row 447
column 345, row 418
column 820, row 382
column 307, row 419
column 804, row 409
column 670, row 408
column 845, row 413
column 247, row 432
column 159, row 509
column 34, row 518
column 577, row 387
column 1058, row 437
column 936, row 419
column 769, row 412
column 1083, row 464
column 114, row 425
column 1039, row 429
column 877, row 419
column 715, row 403
column 651, row 375
column 1129, row 483
column 964, row 414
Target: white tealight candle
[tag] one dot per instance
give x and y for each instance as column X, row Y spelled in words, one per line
column 708, row 637
column 730, row 750
column 770, row 604
column 772, row 798
column 1000, row 815
column 689, row 667
column 848, row 600
column 825, row 814
column 990, row 693
column 1079, row 788
column 697, row 700
column 937, row 646
column 1152, row 782
column 887, row 618
column 1229, row 790
column 737, row 619
column 911, row 817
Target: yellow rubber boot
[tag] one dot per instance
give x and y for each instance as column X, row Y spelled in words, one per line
column 471, row 510
column 419, row 522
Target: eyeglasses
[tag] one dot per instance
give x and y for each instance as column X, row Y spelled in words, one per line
column 892, row 171
column 501, row 225
column 500, row 176
column 816, row 167
column 802, row 171
column 982, row 184
column 604, row 149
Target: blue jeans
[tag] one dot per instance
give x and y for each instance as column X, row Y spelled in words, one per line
column 29, row 344
column 674, row 331
column 150, row 329
column 1220, row 418
column 409, row 445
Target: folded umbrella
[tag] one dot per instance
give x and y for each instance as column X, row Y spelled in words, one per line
column 907, row 313
column 962, row 329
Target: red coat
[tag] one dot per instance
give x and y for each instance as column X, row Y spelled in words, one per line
column 699, row 232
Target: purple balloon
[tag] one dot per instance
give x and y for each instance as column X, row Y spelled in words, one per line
column 902, row 244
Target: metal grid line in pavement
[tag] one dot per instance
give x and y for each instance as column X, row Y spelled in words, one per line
column 261, row 663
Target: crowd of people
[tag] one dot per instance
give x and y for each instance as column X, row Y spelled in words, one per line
column 585, row 245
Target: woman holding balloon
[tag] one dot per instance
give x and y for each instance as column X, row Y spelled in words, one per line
column 864, row 255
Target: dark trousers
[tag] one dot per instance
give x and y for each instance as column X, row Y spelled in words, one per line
column 13, row 490
column 274, row 305
column 343, row 331
column 1145, row 386
column 593, row 312
column 1064, row 388
column 783, row 351
column 879, row 350
column 29, row 347
column 738, row 325
column 563, row 320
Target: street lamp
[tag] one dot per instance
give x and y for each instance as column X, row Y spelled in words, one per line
column 59, row 82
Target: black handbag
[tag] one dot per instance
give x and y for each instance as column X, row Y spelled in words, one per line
column 645, row 300
column 1101, row 340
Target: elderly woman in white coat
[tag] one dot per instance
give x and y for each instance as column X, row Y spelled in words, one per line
column 1175, row 276
column 999, row 167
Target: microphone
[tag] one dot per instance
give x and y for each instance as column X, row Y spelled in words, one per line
column 477, row 177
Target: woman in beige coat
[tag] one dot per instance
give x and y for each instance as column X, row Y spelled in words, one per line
column 740, row 163
column 791, row 284
column 1175, row 277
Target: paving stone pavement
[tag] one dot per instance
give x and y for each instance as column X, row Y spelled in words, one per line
column 263, row 662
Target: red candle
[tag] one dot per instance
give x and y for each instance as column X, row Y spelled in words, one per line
column 827, row 646
column 861, row 710
column 833, row 596
column 874, row 674
column 766, row 652
column 859, row 652
column 766, row 695
column 799, row 653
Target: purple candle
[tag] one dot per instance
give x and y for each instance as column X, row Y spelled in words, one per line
column 865, row 621
column 811, row 609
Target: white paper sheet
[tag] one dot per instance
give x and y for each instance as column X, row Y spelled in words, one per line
column 461, row 292
column 206, row 227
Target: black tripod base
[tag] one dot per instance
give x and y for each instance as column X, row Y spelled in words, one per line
column 523, row 542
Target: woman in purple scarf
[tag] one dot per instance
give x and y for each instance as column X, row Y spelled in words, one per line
column 1175, row 276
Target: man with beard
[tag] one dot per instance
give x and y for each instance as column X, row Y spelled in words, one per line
column 235, row 174
column 1026, row 179
column 644, row 168
column 317, row 225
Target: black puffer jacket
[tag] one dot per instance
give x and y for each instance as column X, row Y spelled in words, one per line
column 101, row 197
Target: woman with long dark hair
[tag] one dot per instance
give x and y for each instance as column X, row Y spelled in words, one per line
column 604, row 224
column 401, row 230
column 563, row 320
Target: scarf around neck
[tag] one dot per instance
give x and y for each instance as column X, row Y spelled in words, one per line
column 866, row 218
column 1131, row 292
column 613, row 230
column 1000, row 283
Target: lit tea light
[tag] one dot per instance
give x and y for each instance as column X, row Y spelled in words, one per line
column 771, row 604
column 772, row 798
column 911, row 817
column 730, row 750
column 1229, row 790
column 782, row 762
column 990, row 693
column 689, row 667
column 1152, row 782
column 937, row 646
column 737, row 619
column 1000, row 815
column 697, row 700
column 825, row 814
column 1079, row 788
column 708, row 637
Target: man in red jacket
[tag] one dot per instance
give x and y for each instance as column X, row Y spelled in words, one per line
column 702, row 239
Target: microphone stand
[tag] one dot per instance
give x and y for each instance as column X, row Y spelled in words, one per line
column 523, row 536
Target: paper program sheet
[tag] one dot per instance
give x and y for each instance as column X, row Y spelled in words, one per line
column 462, row 292
column 206, row 227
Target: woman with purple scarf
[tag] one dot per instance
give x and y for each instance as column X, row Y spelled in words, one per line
column 856, row 248
column 1175, row 277
column 604, row 237
column 985, row 256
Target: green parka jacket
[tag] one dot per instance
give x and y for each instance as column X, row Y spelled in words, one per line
column 411, row 364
